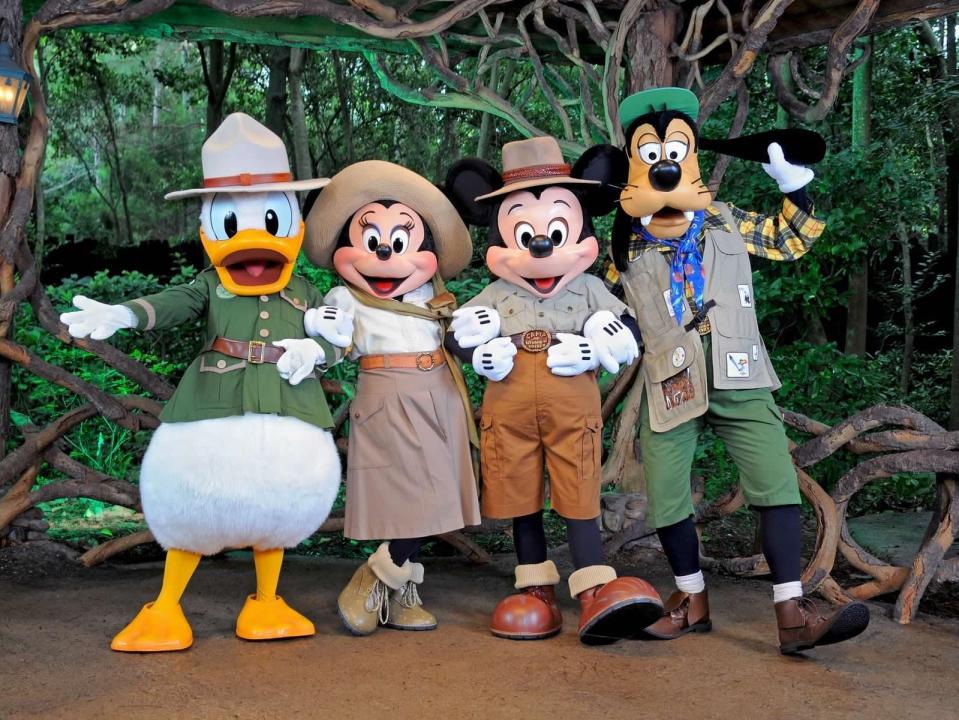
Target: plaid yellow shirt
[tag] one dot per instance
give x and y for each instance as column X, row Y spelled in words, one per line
column 783, row 237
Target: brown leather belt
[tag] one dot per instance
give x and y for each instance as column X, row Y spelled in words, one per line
column 254, row 351
column 534, row 341
column 424, row 361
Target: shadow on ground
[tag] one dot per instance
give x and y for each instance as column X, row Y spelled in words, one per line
column 55, row 632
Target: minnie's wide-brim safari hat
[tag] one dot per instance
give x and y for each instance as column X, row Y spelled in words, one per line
column 244, row 156
column 372, row 180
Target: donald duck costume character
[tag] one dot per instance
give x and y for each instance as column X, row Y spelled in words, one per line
column 243, row 456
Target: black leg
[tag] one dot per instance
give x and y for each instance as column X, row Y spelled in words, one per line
column 681, row 545
column 585, row 543
column 529, row 538
column 404, row 549
column 780, row 527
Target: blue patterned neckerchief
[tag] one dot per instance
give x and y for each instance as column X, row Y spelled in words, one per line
column 687, row 263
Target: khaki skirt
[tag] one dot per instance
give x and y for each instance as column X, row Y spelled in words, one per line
column 409, row 472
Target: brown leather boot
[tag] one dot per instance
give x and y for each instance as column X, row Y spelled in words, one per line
column 531, row 614
column 803, row 624
column 614, row 610
column 683, row 613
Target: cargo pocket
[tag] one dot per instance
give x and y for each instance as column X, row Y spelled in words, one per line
column 370, row 434
column 592, row 450
column 489, row 466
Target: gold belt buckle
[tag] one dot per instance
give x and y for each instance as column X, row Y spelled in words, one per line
column 536, row 341
column 425, row 364
column 251, row 352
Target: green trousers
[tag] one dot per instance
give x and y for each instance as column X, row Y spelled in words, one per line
column 748, row 422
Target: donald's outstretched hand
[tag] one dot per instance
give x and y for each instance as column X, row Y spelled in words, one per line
column 97, row 320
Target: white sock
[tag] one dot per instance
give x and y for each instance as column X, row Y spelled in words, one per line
column 694, row 583
column 787, row 591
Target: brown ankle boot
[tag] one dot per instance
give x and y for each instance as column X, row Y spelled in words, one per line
column 804, row 625
column 615, row 608
column 683, row 613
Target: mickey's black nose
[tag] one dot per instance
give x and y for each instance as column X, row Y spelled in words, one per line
column 540, row 246
column 665, row 175
column 383, row 252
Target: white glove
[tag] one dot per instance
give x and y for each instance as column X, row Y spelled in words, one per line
column 789, row 177
column 613, row 341
column 96, row 319
column 474, row 326
column 331, row 323
column 494, row 360
column 299, row 360
column 573, row 356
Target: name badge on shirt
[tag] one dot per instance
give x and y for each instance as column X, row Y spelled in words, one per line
column 737, row 365
column 669, row 304
column 745, row 296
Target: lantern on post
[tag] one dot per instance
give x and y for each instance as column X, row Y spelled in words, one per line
column 14, row 82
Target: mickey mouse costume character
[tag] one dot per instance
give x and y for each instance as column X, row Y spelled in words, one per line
column 242, row 456
column 682, row 262
column 392, row 236
column 540, row 331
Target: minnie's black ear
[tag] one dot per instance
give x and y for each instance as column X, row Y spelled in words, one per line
column 800, row 147
column 608, row 165
column 311, row 197
column 465, row 181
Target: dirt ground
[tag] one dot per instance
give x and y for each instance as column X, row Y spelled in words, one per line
column 55, row 661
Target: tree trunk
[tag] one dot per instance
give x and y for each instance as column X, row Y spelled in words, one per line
column 276, row 90
column 909, row 331
column 11, row 31
column 346, row 115
column 484, row 140
column 858, row 307
column 649, row 43
column 301, row 139
column 218, row 70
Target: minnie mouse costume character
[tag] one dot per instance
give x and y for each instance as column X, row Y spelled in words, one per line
column 682, row 262
column 539, row 333
column 392, row 237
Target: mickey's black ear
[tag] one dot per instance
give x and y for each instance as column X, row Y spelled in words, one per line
column 800, row 147
column 608, row 165
column 465, row 181
column 311, row 197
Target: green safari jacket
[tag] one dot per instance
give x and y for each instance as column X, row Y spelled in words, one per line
column 217, row 385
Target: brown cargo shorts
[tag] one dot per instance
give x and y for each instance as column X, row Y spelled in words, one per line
column 533, row 420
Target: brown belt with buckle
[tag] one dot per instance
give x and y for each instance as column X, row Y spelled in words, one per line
column 254, row 351
column 421, row 361
column 534, row 341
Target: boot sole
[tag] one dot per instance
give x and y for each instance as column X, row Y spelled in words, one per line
column 700, row 627
column 354, row 631
column 850, row 621
column 621, row 622
column 409, row 628
column 526, row 636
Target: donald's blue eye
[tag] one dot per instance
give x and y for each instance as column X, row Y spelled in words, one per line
column 278, row 215
column 223, row 221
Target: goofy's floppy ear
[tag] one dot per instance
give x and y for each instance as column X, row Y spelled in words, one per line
column 465, row 181
column 608, row 165
column 800, row 147
column 311, row 197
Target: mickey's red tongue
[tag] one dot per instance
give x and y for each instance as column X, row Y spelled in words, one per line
column 544, row 284
column 384, row 286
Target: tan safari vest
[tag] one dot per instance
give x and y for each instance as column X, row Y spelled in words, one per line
column 674, row 364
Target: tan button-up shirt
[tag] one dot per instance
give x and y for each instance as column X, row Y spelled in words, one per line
column 521, row 310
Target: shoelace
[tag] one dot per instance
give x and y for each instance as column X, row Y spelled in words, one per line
column 809, row 607
column 378, row 601
column 410, row 596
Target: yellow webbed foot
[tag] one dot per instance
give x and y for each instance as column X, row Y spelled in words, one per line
column 271, row 620
column 155, row 629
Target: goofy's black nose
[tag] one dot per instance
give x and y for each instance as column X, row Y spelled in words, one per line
column 665, row 175
column 383, row 252
column 540, row 246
